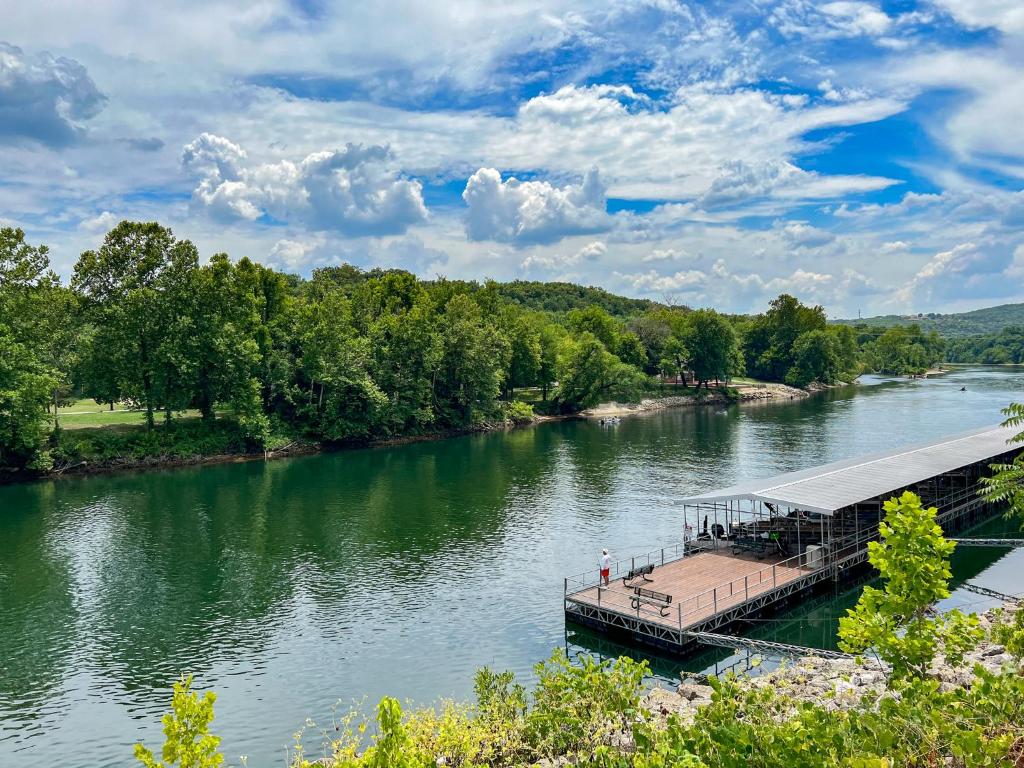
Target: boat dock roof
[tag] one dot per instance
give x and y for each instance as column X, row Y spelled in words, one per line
column 832, row 487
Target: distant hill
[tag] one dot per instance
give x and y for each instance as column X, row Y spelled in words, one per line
column 562, row 297
column 978, row 321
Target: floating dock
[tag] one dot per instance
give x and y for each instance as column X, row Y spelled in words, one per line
column 751, row 547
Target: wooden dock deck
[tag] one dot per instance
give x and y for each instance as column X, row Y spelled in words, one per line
column 708, row 589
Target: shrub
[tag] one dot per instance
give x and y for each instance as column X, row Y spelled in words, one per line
column 518, row 412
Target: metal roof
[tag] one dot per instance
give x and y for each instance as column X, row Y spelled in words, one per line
column 831, row 487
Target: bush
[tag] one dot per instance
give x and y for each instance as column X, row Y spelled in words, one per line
column 518, row 412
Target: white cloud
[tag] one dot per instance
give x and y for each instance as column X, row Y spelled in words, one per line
column 843, row 19
column 355, row 191
column 102, row 222
column 44, row 98
column 800, row 234
column 548, row 261
column 1006, row 15
column 523, row 212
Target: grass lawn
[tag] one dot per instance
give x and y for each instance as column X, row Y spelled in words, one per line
column 85, row 414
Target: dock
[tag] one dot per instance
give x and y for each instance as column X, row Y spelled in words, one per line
column 757, row 545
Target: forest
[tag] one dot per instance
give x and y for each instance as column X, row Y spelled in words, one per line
column 229, row 356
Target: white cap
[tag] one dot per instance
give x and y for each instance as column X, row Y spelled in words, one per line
column 604, row 551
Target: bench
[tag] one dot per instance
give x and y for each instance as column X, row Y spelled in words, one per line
column 658, row 600
column 751, row 544
column 638, row 573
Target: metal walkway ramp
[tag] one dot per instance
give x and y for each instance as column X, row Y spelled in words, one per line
column 763, row 646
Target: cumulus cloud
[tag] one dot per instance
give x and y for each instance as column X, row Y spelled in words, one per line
column 548, row 261
column 44, row 98
column 102, row 222
column 525, row 212
column 800, row 234
column 355, row 191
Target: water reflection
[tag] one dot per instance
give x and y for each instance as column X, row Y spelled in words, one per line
column 290, row 584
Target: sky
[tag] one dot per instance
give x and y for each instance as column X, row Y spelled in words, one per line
column 866, row 156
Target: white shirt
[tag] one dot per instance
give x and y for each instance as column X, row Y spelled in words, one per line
column 606, row 562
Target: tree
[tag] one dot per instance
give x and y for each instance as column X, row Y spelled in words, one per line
column 551, row 338
column 711, row 342
column 124, row 284
column 1006, row 485
column 473, row 359
column 524, row 360
column 588, row 372
column 631, row 350
column 39, row 312
column 675, row 358
column 653, row 329
column 596, row 321
column 815, row 358
column 769, row 339
column 25, row 387
column 898, row 622
column 336, row 359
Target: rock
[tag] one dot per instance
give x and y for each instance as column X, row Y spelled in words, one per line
column 695, row 692
column 994, row 650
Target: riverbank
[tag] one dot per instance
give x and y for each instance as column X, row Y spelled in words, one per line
column 839, row 684
column 120, row 448
column 744, row 393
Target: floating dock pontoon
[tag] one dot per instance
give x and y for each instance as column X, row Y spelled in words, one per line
column 760, row 543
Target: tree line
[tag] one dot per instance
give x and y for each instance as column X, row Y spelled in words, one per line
column 351, row 355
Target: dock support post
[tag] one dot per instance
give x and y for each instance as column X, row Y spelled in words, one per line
column 746, row 589
column 662, row 556
column 774, row 582
column 714, row 596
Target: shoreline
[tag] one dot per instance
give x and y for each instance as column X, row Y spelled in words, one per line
column 748, row 394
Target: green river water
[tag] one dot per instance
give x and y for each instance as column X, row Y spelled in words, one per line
column 290, row 585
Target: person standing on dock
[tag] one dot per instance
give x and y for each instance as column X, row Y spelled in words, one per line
column 606, row 566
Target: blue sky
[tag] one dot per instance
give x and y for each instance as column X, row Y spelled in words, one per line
column 861, row 155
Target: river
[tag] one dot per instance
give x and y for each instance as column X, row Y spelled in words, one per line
column 290, row 585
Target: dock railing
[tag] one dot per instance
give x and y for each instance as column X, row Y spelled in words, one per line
column 620, row 568
column 837, row 553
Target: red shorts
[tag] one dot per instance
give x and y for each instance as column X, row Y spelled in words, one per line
column 605, row 572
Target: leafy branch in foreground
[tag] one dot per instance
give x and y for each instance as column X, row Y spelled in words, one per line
column 188, row 741
column 1006, row 486
column 898, row 622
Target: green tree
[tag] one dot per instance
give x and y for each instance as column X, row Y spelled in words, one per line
column 525, row 349
column 551, row 339
column 769, row 339
column 588, row 372
column 124, row 284
column 675, row 358
column 25, row 387
column 711, row 342
column 345, row 401
column 631, row 350
column 596, row 321
column 474, row 358
column 898, row 622
column 1006, row 485
column 815, row 358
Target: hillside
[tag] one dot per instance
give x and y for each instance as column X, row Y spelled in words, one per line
column 562, row 297
column 978, row 321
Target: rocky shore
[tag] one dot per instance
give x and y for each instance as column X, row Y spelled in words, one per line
column 836, row 684
column 746, row 394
